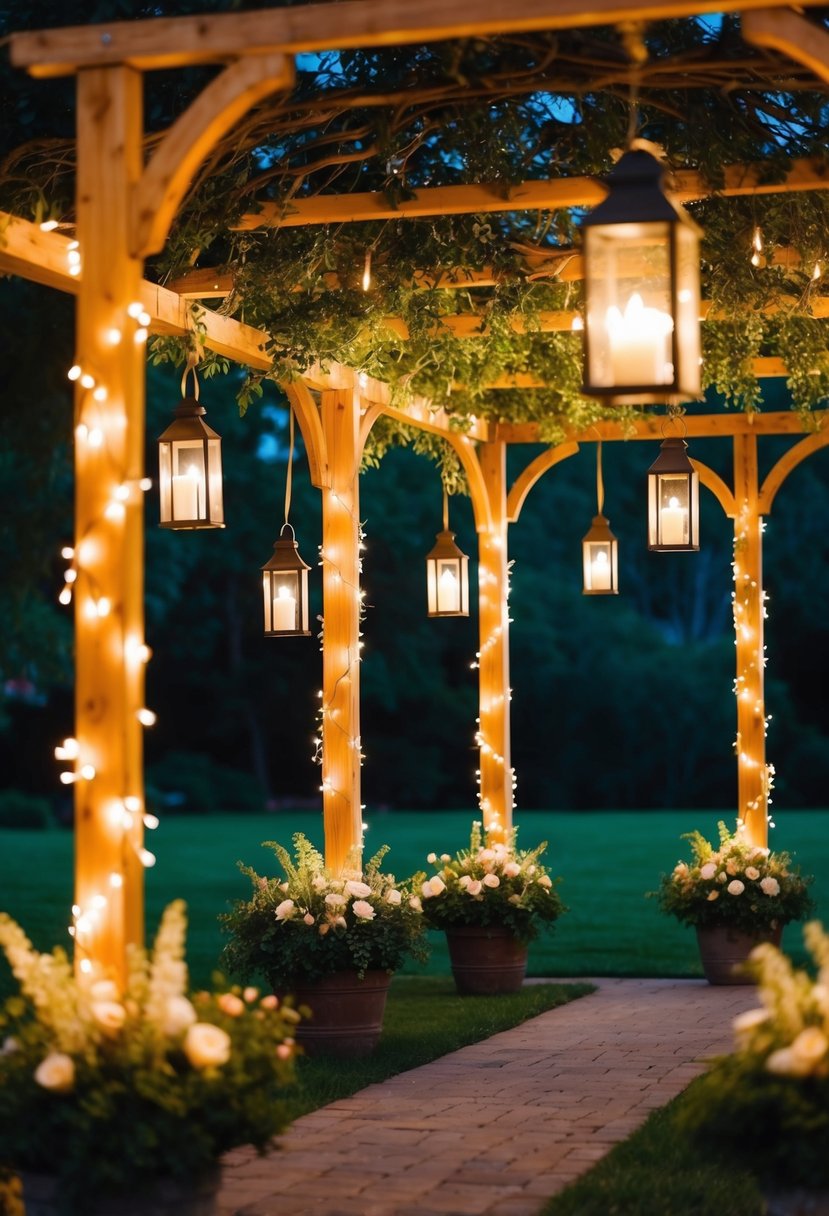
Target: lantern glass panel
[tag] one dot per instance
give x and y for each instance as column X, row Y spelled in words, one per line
column 599, row 566
column 284, row 601
column 449, row 585
column 165, row 476
column 629, row 307
column 214, row 474
column 673, row 511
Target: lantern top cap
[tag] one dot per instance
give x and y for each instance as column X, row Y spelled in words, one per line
column 188, row 423
column 189, row 407
column 599, row 531
column 672, row 457
column 445, row 547
column 637, row 193
column 285, row 552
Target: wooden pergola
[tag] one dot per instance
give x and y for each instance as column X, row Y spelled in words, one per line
column 124, row 212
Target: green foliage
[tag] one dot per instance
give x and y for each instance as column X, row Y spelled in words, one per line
column 491, row 883
column 737, row 884
column 777, row 1081
column 125, row 1088
column 313, row 923
column 192, row 782
column 19, row 810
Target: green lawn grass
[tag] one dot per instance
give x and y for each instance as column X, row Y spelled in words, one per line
column 607, row 860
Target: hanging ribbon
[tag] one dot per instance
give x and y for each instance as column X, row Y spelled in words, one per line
column 445, row 510
column 289, row 475
column 599, row 479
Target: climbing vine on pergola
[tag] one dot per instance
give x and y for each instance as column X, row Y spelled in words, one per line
column 389, row 230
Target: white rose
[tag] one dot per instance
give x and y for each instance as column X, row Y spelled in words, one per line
column 492, row 880
column 512, row 869
column 810, row 1047
column 362, row 909
column 464, row 880
column 753, row 873
column 285, row 910
column 514, row 899
column 708, row 870
column 545, row 881
column 359, row 889
column 770, row 886
column 109, row 1015
column 485, row 855
column 393, row 897
column 335, row 901
column 56, row 1072
column 104, row 990
column 735, row 887
column 250, row 994
column 445, row 857
column 432, row 858
column 178, row 1015
column 436, row 885
column 474, row 888
column 230, row 1004
column 206, row 1046
column 414, row 902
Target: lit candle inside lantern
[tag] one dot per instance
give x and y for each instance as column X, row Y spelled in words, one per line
column 673, row 523
column 284, row 609
column 600, row 571
column 639, row 343
column 449, row 590
column 186, row 493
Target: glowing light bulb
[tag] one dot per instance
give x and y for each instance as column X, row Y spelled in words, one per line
column 146, row 717
column 49, row 226
column 74, row 372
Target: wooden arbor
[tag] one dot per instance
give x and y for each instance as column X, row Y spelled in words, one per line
column 124, row 211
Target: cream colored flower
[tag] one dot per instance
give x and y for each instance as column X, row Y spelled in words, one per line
column 464, row 880
column 810, row 1047
column 712, row 895
column 109, row 1015
column 178, row 1015
column 474, row 887
column 445, row 857
column 414, row 902
column 285, row 910
column 512, row 869
column 104, row 990
column 270, row 1001
column 492, row 880
column 545, row 881
column 431, row 858
column 750, row 1020
column 735, row 887
column 770, row 886
column 340, row 923
column 359, row 889
column 206, row 1045
column 732, row 867
column 486, row 855
column 514, row 899
column 784, row 1063
column 393, row 897
column 335, row 901
column 434, row 886
column 230, row 1004
column 708, row 870
column 308, row 919
column 56, row 1072
column 10, row 1046
column 362, row 909
column 250, row 994
column 752, row 873
column 319, row 882
column 722, row 876
column 284, row 1051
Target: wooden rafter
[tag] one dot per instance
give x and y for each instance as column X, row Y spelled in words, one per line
column 781, row 29
column 697, row 426
column 177, row 41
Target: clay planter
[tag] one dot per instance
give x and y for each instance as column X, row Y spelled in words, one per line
column 41, row 1195
column 722, row 948
column 347, row 1013
column 486, row 960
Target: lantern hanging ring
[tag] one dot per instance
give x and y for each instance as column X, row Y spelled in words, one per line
column 675, row 415
column 190, row 366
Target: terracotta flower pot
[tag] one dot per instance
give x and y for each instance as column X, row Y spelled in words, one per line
column 486, row 960
column 197, row 1197
column 722, row 949
column 347, row 1013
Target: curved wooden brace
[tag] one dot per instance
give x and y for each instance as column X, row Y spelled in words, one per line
column 313, row 436
column 531, row 474
column 188, row 141
column 781, row 29
column 790, row 460
column 713, row 482
column 367, row 421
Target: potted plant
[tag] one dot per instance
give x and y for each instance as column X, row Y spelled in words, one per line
column 120, row 1103
column 332, row 940
column 492, row 900
column 735, row 896
column 766, row 1106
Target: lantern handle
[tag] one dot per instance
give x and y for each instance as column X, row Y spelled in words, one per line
column 289, row 474
column 190, row 366
column 289, row 528
column 675, row 415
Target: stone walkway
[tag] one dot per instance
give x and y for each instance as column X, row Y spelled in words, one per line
column 498, row 1127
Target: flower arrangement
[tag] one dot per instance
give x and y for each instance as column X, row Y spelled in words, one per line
column 767, row 1105
column 738, row 884
column 312, row 923
column 490, row 883
column 114, row 1091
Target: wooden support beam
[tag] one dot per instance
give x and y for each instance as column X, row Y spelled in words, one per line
column 784, row 466
column 783, row 30
column 342, row 811
column 532, row 473
column 177, row 41
column 553, row 195
column 109, row 542
column 220, row 104
column 698, row 426
column 753, row 774
column 497, row 779
column 42, row 257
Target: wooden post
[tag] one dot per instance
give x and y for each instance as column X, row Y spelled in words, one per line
column 496, row 774
column 753, row 774
column 109, row 463
column 341, row 756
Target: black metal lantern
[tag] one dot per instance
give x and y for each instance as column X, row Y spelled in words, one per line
column 600, row 549
column 285, row 589
column 641, row 285
column 190, row 468
column 673, row 500
column 447, row 574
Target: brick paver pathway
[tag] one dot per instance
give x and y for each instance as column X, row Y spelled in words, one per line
column 498, row 1127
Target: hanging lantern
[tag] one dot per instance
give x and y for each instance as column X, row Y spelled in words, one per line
column 285, row 589
column 641, row 286
column 600, row 549
column 447, row 574
column 190, row 467
column 673, row 500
